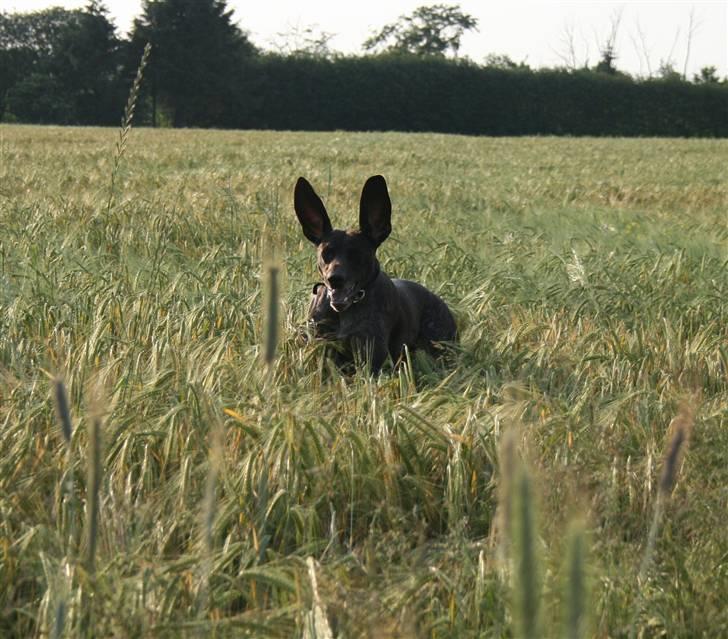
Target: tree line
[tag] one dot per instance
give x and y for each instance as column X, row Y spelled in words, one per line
column 71, row 67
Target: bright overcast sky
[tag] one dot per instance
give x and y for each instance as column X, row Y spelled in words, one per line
column 534, row 31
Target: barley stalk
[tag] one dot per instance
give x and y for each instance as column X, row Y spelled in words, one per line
column 207, row 516
column 67, row 513
column 62, row 411
column 126, row 123
column 89, row 593
column 271, row 313
column 680, row 428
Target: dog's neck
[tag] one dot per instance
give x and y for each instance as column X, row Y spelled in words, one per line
column 362, row 292
column 372, row 278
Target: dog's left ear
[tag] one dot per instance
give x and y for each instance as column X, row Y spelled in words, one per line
column 375, row 210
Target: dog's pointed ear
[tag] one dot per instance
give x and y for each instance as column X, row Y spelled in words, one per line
column 310, row 211
column 375, row 210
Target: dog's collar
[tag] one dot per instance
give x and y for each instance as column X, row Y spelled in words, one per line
column 361, row 293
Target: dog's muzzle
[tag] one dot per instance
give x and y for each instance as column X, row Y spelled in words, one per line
column 340, row 303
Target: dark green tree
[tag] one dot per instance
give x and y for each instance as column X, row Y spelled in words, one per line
column 197, row 52
column 66, row 66
column 707, row 75
column 607, row 61
column 502, row 61
column 668, row 72
column 608, row 50
column 87, row 64
column 27, row 40
column 36, row 31
column 428, row 30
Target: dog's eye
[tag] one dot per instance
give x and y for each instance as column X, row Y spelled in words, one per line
column 327, row 255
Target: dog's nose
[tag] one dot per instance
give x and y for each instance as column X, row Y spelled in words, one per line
column 336, row 281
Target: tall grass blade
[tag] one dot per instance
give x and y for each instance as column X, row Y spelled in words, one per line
column 507, row 471
column 317, row 625
column 59, row 620
column 526, row 579
column 576, row 592
column 93, row 488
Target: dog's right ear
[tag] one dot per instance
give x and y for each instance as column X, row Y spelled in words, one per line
column 310, row 211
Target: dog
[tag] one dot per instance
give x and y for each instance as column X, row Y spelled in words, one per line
column 358, row 304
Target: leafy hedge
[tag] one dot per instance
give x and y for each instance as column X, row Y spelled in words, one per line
column 414, row 94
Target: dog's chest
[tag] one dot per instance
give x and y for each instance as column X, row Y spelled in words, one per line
column 373, row 317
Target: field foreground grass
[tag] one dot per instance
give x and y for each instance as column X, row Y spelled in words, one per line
column 515, row 489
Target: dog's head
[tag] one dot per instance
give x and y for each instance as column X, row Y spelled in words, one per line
column 346, row 259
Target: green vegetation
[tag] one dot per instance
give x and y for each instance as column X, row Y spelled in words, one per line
column 432, row 94
column 61, row 66
column 157, row 478
column 429, row 30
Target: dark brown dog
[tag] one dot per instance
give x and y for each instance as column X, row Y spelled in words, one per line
column 358, row 304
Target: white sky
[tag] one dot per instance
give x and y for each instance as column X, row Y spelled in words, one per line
column 534, row 31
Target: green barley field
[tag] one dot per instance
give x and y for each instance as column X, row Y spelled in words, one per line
column 562, row 472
